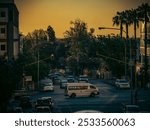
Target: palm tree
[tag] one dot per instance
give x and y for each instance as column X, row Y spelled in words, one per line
column 123, row 18
column 118, row 21
column 127, row 21
column 134, row 20
column 143, row 11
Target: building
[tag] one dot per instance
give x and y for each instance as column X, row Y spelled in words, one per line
column 142, row 47
column 9, row 29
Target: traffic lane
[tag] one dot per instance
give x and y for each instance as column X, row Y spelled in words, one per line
column 101, row 108
column 101, row 103
column 58, row 94
column 107, row 96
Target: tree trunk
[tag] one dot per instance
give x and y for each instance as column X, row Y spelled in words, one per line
column 127, row 32
column 121, row 29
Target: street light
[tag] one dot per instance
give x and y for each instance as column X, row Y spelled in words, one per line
column 131, row 64
column 101, row 28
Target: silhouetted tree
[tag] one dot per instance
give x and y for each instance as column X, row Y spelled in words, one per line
column 118, row 20
column 82, row 43
column 51, row 34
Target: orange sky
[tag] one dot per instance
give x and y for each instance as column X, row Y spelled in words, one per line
column 36, row 14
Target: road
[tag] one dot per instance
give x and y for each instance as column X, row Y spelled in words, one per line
column 109, row 101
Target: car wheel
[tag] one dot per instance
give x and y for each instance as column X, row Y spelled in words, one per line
column 92, row 95
column 73, row 95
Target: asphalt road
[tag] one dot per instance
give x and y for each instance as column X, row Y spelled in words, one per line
column 109, row 101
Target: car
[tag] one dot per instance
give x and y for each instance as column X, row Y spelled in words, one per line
column 19, row 93
column 71, row 79
column 56, row 80
column 63, row 83
column 81, row 90
column 44, row 101
column 18, row 110
column 48, row 87
column 130, row 108
column 88, row 111
column 122, row 83
column 43, row 109
column 83, row 79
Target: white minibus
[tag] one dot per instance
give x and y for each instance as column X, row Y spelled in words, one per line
column 81, row 89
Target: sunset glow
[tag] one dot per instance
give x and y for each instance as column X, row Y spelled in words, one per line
column 35, row 14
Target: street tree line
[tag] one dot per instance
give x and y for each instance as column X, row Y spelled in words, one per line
column 134, row 17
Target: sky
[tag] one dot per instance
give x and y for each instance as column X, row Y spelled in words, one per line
column 37, row 14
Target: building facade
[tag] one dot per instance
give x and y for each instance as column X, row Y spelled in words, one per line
column 9, row 30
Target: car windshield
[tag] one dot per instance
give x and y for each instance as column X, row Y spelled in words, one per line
column 49, row 84
column 82, row 76
column 123, row 81
column 64, row 81
column 70, row 76
column 43, row 102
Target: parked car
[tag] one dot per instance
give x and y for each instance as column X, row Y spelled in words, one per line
column 45, row 101
column 130, row 108
column 63, row 83
column 56, row 80
column 18, row 94
column 83, row 78
column 48, row 87
column 122, row 83
column 18, row 110
column 88, row 111
column 71, row 79
column 43, row 109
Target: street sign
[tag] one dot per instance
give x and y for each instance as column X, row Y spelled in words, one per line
column 28, row 78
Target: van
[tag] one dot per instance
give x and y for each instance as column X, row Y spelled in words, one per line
column 81, row 89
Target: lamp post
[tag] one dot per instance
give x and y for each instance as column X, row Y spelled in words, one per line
column 38, row 73
column 125, row 66
column 38, row 65
column 131, row 60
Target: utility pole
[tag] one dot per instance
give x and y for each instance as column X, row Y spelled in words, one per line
column 145, row 43
column 131, row 72
column 131, row 63
column 38, row 70
column 125, row 45
column 37, row 42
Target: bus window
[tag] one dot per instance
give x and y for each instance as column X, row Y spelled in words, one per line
column 92, row 87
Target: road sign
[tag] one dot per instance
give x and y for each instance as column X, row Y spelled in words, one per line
column 28, row 78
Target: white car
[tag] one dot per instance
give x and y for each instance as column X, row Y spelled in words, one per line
column 83, row 79
column 48, row 87
column 122, row 83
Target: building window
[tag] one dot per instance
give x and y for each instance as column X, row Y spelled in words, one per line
column 2, row 30
column 3, row 47
column 2, row 14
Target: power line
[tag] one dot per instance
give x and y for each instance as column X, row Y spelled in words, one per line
column 37, row 61
column 115, row 59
